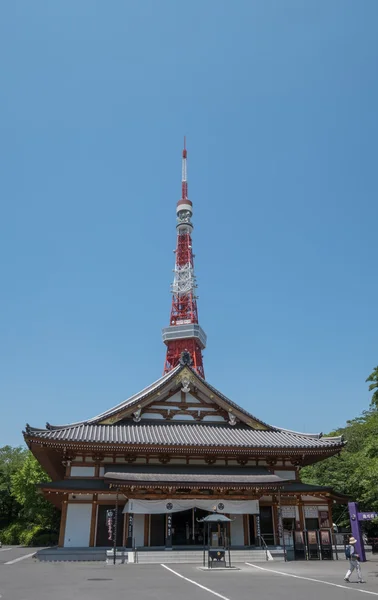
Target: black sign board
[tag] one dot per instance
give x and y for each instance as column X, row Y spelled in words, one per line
column 130, row 527
column 326, row 544
column 168, row 541
column 110, row 518
column 312, row 545
column 258, row 529
column 299, row 546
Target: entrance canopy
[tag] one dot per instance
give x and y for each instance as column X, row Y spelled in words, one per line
column 150, row 476
column 153, row 507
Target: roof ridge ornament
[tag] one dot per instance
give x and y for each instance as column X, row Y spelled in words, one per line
column 137, row 415
column 185, row 385
column 231, row 418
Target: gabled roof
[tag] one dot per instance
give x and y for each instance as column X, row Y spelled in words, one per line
column 149, row 394
column 136, row 398
column 129, row 403
column 110, row 427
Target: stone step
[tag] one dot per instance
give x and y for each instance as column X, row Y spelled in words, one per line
column 195, row 557
column 146, row 556
column 72, row 554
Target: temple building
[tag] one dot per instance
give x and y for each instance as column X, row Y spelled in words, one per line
column 180, row 449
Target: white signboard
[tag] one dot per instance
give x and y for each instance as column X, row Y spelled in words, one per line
column 157, row 507
column 311, row 512
column 288, row 512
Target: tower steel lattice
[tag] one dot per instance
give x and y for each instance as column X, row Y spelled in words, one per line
column 184, row 333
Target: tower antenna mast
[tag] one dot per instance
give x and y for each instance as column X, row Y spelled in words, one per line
column 184, row 332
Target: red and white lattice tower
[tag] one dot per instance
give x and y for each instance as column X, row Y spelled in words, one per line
column 184, row 334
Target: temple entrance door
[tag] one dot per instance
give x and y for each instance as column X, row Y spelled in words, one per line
column 182, row 528
column 157, row 530
column 266, row 524
column 198, row 527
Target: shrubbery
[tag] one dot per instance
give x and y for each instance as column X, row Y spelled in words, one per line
column 28, row 535
column 11, row 534
column 26, row 518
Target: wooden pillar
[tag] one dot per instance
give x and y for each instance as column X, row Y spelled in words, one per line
column 301, row 514
column 63, row 520
column 146, row 529
column 275, row 523
column 93, row 522
column 246, row 529
column 330, row 517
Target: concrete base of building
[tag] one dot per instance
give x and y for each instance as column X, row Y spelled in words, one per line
column 72, row 554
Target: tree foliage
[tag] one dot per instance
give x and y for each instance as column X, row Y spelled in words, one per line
column 373, row 377
column 355, row 471
column 34, row 508
column 11, row 459
column 24, row 513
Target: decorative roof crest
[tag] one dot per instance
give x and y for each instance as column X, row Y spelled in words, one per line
column 137, row 415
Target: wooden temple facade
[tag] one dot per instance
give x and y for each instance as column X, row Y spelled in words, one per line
column 170, row 454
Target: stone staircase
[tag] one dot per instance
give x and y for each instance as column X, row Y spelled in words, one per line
column 55, row 554
column 194, row 556
column 143, row 556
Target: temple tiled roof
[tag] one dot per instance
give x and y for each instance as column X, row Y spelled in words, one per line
column 238, row 476
column 154, row 388
column 102, row 485
column 182, row 434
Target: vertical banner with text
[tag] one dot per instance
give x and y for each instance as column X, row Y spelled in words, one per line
column 130, row 529
column 110, row 517
column 168, row 541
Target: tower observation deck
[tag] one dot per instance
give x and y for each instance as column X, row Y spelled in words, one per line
column 184, row 332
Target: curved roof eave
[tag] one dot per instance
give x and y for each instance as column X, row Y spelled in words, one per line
column 158, row 384
column 136, row 397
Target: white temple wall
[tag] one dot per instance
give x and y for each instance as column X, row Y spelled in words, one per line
column 237, row 530
column 78, row 525
column 138, row 532
column 82, row 471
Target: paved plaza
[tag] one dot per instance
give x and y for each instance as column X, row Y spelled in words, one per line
column 22, row 577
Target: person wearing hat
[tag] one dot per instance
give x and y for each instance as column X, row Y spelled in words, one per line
column 354, row 562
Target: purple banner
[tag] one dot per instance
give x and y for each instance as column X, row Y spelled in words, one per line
column 356, row 529
column 367, row 516
column 110, row 523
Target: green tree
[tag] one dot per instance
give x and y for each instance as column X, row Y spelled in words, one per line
column 373, row 377
column 34, row 508
column 11, row 460
column 355, row 471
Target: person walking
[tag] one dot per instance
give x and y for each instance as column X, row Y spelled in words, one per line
column 354, row 562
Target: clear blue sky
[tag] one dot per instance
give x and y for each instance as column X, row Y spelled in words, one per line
column 278, row 100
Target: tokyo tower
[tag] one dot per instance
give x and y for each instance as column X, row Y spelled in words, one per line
column 184, row 334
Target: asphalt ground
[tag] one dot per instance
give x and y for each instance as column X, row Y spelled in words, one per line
column 10, row 553
column 29, row 579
